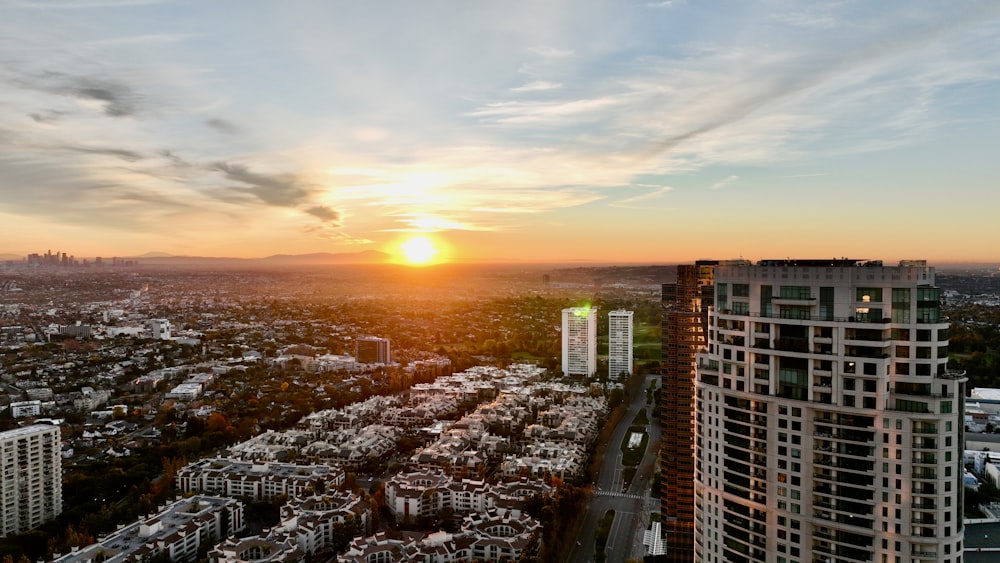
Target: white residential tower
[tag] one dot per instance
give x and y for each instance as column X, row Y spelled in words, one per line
column 31, row 492
column 579, row 341
column 620, row 342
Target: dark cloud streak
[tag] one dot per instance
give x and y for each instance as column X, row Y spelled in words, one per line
column 118, row 99
column 223, row 126
column 282, row 190
column 124, row 154
column 324, row 213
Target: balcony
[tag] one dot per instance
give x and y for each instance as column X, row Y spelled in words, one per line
column 797, row 300
column 792, row 345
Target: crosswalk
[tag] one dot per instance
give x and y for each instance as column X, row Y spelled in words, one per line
column 619, row 495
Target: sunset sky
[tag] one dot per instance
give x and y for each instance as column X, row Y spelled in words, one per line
column 620, row 131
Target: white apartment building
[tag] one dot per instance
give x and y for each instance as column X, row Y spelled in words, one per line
column 159, row 329
column 828, row 427
column 177, row 533
column 31, row 491
column 620, row 342
column 256, row 480
column 579, row 341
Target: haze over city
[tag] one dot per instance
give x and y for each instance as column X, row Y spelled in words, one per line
column 565, row 130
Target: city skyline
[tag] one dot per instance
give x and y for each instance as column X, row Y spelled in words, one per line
column 566, row 131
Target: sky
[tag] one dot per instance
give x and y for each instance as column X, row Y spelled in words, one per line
column 548, row 130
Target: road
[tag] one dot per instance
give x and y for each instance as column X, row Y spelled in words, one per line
column 631, row 507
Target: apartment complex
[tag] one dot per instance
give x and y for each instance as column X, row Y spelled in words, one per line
column 579, row 341
column 620, row 342
column 176, row 533
column 828, row 426
column 31, row 492
column 684, row 331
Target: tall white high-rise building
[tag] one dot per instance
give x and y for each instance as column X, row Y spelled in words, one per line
column 619, row 342
column 579, row 341
column 31, row 488
column 828, row 426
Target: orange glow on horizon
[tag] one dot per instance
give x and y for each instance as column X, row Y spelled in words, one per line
column 419, row 251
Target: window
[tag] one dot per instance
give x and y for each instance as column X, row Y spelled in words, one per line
column 741, row 290
column 765, row 300
column 869, row 294
column 826, row 303
column 795, row 292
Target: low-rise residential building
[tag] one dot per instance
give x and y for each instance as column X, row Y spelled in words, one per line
column 257, row 480
column 258, row 550
column 21, row 409
column 424, row 494
column 177, row 532
column 484, row 537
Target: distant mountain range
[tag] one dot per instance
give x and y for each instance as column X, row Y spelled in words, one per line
column 315, row 258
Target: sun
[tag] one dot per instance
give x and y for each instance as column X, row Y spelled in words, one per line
column 418, row 251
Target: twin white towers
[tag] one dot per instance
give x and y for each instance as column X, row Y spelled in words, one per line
column 579, row 341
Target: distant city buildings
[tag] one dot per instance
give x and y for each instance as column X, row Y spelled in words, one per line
column 829, row 427
column 372, row 350
column 31, row 488
column 62, row 259
column 579, row 341
column 620, row 342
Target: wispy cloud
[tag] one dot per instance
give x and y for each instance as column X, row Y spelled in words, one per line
column 82, row 4
column 550, row 52
column 106, row 112
column 537, row 86
column 727, row 181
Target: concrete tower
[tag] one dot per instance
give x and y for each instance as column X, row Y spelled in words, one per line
column 620, row 342
column 31, row 492
column 829, row 427
column 579, row 341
